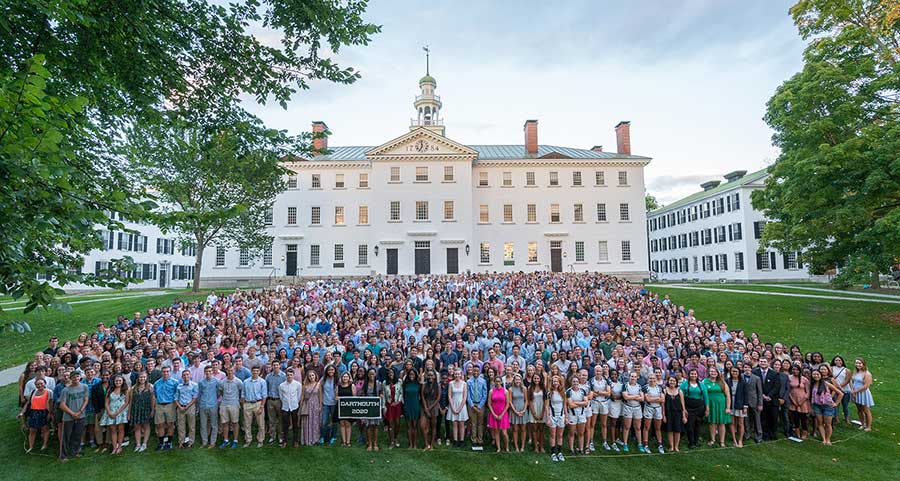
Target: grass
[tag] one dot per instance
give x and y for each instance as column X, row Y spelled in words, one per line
column 832, row 326
column 790, row 289
column 18, row 348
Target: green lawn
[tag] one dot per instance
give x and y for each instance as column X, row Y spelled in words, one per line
column 849, row 328
column 859, row 294
column 17, row 348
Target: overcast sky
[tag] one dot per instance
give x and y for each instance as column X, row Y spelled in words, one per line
column 693, row 78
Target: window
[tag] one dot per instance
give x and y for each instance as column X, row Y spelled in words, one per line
column 554, row 179
column 108, row 239
column 315, row 216
column 268, row 216
column 532, row 252
column 508, row 254
column 339, row 215
column 364, row 215
column 244, row 257
column 507, row 179
column 485, row 253
column 529, row 179
column 576, row 179
column 292, row 216
column 623, row 177
column 164, row 246
column 579, row 251
column 554, row 213
column 763, row 261
column 579, row 213
column 483, row 214
column 734, row 232
column 707, row 237
column 338, row 181
column 363, row 180
column 696, row 266
column 395, row 174
column 599, row 178
column 482, row 179
column 707, row 263
column 220, row 256
column 790, row 261
column 684, row 264
column 623, row 213
column 626, row 250
column 601, row 212
column 448, row 210
column 267, row 255
column 363, row 254
column 738, row 261
column 421, row 174
column 421, row 210
column 395, row 211
column 292, row 181
column 532, row 212
column 314, row 255
column 758, row 227
column 448, row 173
column 316, row 181
column 721, row 262
column 507, row 213
column 338, row 256
column 720, row 233
column 189, row 249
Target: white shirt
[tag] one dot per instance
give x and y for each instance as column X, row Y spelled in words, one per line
column 290, row 395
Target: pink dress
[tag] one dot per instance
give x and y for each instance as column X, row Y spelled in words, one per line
column 498, row 401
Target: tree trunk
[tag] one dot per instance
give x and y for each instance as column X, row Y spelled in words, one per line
column 876, row 281
column 198, row 264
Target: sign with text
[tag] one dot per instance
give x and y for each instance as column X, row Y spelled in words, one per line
column 359, row 407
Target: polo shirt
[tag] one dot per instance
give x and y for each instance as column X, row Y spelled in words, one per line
column 165, row 390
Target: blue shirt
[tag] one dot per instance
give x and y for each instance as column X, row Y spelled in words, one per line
column 165, row 390
column 207, row 391
column 255, row 389
column 186, row 392
column 477, row 392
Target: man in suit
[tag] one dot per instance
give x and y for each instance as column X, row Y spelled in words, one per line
column 771, row 390
column 754, row 394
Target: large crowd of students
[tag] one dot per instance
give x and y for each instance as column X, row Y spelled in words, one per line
column 562, row 363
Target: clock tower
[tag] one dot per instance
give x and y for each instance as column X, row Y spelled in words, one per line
column 427, row 103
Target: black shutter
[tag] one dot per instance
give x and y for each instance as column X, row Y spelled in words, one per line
column 724, row 262
column 759, row 260
column 784, row 259
column 737, row 230
column 717, row 262
column 97, row 268
column 772, row 261
column 799, row 261
column 120, row 240
column 756, row 230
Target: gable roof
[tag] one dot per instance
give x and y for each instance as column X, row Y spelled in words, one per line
column 488, row 152
column 703, row 194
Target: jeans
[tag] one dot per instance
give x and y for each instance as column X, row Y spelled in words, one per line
column 327, row 424
column 72, row 431
column 845, row 404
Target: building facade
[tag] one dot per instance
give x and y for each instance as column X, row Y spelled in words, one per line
column 423, row 203
column 713, row 235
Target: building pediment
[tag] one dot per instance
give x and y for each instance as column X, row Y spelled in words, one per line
column 421, row 143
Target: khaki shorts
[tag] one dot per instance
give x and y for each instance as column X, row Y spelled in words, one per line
column 165, row 413
column 229, row 414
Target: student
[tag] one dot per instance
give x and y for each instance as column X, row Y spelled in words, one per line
column 799, row 406
column 862, row 397
column 254, row 395
column 578, row 402
column 115, row 412
column 654, row 398
column 273, row 403
column 372, row 388
column 498, row 420
column 518, row 408
column 345, row 389
column 230, row 392
column 164, row 394
column 73, row 401
column 392, row 390
column 771, row 391
column 457, row 413
column 718, row 406
column 536, row 411
column 412, row 405
column 476, row 398
column 208, row 402
column 754, row 399
column 841, row 378
column 824, row 404
column 39, row 417
column 290, row 393
column 615, row 409
column 311, row 409
column 696, row 406
column 431, row 394
column 632, row 396
column 737, row 390
column 600, row 392
column 329, row 390
column 556, row 416
column 674, row 414
column 186, row 395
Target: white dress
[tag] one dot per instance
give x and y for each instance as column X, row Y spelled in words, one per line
column 457, row 388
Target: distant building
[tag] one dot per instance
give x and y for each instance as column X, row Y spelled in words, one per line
column 714, row 234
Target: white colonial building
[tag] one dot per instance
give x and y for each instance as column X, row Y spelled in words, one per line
column 713, row 235
column 424, row 203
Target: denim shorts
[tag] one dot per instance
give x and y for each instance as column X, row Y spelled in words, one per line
column 824, row 410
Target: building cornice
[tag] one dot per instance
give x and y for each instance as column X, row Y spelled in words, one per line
column 562, row 162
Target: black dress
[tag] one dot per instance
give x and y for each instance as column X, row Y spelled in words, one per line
column 674, row 413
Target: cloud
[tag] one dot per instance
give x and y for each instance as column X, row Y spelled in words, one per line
column 670, row 182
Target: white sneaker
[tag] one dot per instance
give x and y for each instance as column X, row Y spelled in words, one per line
column 137, row 448
column 125, row 442
column 554, row 457
column 606, row 446
column 561, row 457
column 591, row 446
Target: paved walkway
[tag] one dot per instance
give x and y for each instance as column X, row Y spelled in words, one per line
column 11, row 375
column 764, row 293
column 101, row 299
column 821, row 289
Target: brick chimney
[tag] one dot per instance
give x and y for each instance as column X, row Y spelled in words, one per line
column 623, row 137
column 531, row 139
column 597, row 148
column 319, row 142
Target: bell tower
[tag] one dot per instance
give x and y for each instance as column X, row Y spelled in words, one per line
column 427, row 104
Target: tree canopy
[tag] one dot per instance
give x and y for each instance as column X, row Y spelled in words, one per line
column 75, row 75
column 834, row 191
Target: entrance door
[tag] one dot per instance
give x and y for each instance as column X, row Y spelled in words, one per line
column 290, row 260
column 162, row 275
column 556, row 259
column 392, row 261
column 423, row 261
column 452, row 260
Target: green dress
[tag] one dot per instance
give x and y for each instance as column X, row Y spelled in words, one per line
column 412, row 407
column 715, row 400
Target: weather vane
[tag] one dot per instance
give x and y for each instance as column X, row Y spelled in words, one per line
column 427, row 52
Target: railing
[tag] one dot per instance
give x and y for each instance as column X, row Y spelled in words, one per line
column 428, row 97
column 423, row 123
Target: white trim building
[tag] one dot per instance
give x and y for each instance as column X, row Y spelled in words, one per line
column 713, row 235
column 423, row 203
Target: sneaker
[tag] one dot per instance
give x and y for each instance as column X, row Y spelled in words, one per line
column 331, row 443
column 137, row 448
column 591, row 446
column 615, row 447
column 619, row 442
column 234, row 444
column 321, row 441
column 126, row 442
column 605, row 446
column 259, row 445
column 661, row 449
column 224, row 444
column 625, row 448
column 554, row 457
column 561, row 457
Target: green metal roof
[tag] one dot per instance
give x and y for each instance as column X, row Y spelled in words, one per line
column 753, row 177
column 428, row 78
column 490, row 152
